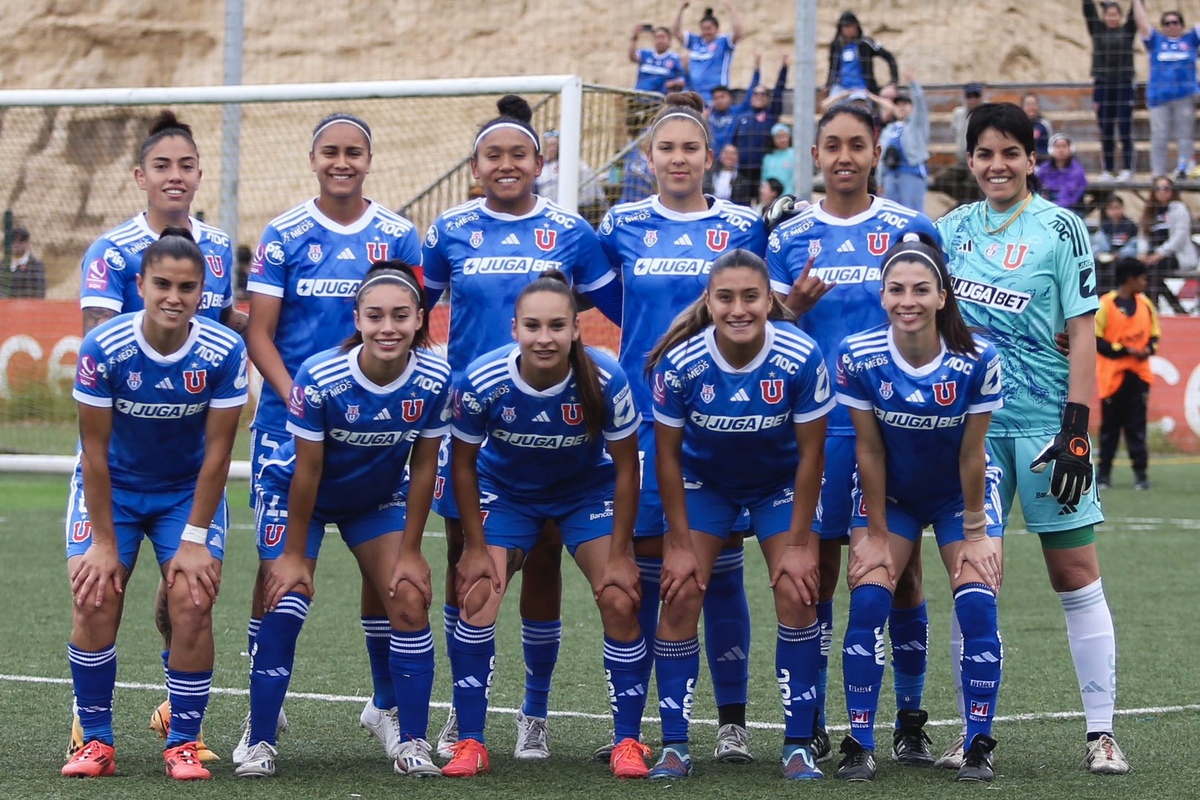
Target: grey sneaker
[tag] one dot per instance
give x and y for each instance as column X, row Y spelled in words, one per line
column 259, row 762
column 533, row 739
column 242, row 751
column 953, row 757
column 448, row 736
column 414, row 757
column 383, row 724
column 733, row 745
column 1105, row 757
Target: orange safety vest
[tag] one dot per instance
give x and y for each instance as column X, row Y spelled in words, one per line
column 1131, row 332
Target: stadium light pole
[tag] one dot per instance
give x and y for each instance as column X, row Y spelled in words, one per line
column 804, row 99
column 231, row 125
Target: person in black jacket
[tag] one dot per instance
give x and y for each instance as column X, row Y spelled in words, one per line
column 1112, row 82
column 852, row 59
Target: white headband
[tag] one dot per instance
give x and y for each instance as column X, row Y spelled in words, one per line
column 398, row 276
column 502, row 124
column 346, row 120
column 909, row 254
column 681, row 115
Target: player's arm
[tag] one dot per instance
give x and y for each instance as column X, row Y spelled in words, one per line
column 94, row 317
column 260, row 342
column 886, row 55
column 1081, row 338
column 100, row 565
column 871, row 454
column 624, row 453
column 422, row 472
column 235, row 320
column 680, row 563
column 799, row 563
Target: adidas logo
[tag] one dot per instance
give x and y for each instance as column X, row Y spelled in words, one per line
column 635, row 691
column 383, row 415
column 988, row 657
column 469, row 682
column 966, row 247
column 510, row 239
column 736, row 654
column 916, row 397
column 858, row 650
column 740, row 396
column 1093, row 688
column 846, row 247
column 911, row 647
column 667, row 702
column 684, row 241
column 542, row 417
column 165, row 383
column 346, row 255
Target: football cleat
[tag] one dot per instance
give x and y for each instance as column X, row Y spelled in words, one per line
column 977, row 761
column 414, row 757
column 383, row 724
column 857, row 764
column 75, row 741
column 910, row 743
column 799, row 764
column 1105, row 757
column 533, row 739
column 628, row 759
column 183, row 763
column 953, row 757
column 94, row 760
column 242, row 751
column 822, row 748
column 160, row 723
column 733, row 745
column 675, row 762
column 470, row 759
column 257, row 762
column 448, row 736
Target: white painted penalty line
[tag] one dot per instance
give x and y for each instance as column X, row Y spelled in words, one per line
column 769, row 726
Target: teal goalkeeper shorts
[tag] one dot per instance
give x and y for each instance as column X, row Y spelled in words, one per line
column 1043, row 513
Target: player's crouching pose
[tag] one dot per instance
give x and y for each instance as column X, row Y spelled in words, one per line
column 561, row 445
column 921, row 391
column 358, row 414
column 158, row 381
column 740, row 399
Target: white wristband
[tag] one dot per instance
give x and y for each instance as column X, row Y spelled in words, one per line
column 194, row 534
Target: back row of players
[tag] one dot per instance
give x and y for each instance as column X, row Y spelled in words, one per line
column 648, row 508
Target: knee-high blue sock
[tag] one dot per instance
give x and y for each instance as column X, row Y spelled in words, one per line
column 472, row 660
column 449, row 624
column 982, row 655
column 797, row 663
column 379, row 636
column 94, row 675
column 825, row 620
column 188, row 692
column 863, row 658
column 271, row 664
column 678, row 667
column 411, row 663
column 252, row 633
column 909, row 629
column 540, row 642
column 651, row 571
column 624, row 668
column 727, row 629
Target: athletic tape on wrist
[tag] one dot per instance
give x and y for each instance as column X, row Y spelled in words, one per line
column 194, row 534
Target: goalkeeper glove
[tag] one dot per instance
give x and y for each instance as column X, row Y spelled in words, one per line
column 782, row 209
column 1071, row 453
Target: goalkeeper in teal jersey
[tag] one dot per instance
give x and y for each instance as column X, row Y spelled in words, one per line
column 1022, row 271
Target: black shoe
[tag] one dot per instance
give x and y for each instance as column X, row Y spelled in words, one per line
column 822, row 748
column 1141, row 483
column 858, row 763
column 977, row 761
column 910, row 743
column 1103, row 481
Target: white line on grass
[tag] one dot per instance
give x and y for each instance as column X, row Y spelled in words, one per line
column 770, row 726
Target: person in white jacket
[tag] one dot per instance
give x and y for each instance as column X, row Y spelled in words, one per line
column 1165, row 240
column 905, row 144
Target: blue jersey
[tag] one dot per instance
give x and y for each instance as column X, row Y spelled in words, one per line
column 1172, row 66
column 663, row 258
column 112, row 263
column 159, row 402
column 486, row 258
column 314, row 266
column 921, row 411
column 739, row 424
column 850, row 76
column 848, row 252
column 538, row 446
column 708, row 63
column 368, row 430
column 656, row 69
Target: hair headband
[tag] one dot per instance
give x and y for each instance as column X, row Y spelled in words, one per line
column 516, row 126
column 349, row 121
column 681, row 115
column 910, row 254
column 397, row 276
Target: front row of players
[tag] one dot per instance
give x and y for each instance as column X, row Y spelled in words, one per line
column 733, row 382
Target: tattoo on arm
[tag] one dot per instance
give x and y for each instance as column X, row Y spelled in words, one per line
column 237, row 321
column 93, row 317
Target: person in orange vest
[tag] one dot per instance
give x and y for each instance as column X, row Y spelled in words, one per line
column 1127, row 334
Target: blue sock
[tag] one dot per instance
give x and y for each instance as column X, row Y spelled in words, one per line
column 797, row 662
column 825, row 620
column 540, row 642
column 651, row 571
column 678, row 668
column 411, row 663
column 982, row 655
column 188, row 692
column 472, row 660
column 449, row 623
column 166, row 657
column 94, row 675
column 624, row 666
column 909, row 629
column 271, row 664
column 252, row 633
column 727, row 629
column 379, row 636
column 863, row 658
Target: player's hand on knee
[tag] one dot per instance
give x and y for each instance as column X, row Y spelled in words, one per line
column 414, row 569
column 91, row 574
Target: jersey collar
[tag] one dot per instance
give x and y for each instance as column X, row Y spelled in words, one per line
column 374, row 388
column 514, row 372
column 710, row 342
column 357, row 226
column 538, row 207
column 715, row 207
column 822, row 215
column 154, row 355
column 909, row 369
column 143, row 223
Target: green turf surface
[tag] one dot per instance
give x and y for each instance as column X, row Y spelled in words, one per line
column 1147, row 550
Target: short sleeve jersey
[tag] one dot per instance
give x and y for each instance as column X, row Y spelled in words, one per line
column 368, row 430
column 655, row 69
column 1018, row 288
column 486, row 258
column 708, row 63
column 537, row 445
column 739, row 423
column 922, row 411
column 112, row 263
column 314, row 266
column 663, row 258
column 159, row 402
column 1172, row 66
column 849, row 253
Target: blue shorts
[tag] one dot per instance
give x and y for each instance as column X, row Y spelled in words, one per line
column 157, row 515
column 262, row 445
column 837, row 487
column 1043, row 513
column 270, row 523
column 516, row 524
column 445, row 504
column 719, row 513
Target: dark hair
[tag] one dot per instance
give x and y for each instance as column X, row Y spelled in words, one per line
column 395, row 273
column 1112, row 4
column 662, row 28
column 708, row 17
column 164, row 125
column 1009, row 120
column 591, row 396
column 921, row 249
column 341, row 116
column 1115, row 198
column 19, row 234
column 696, row 318
column 1153, row 207
column 514, row 110
column 688, row 104
column 1163, row 19
column 174, row 242
column 720, row 87
column 775, row 185
column 1127, row 268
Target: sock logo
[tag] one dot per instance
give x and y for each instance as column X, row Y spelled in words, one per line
column 880, row 658
column 785, row 690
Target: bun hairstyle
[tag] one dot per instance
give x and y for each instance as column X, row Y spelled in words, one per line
column 682, row 105
column 393, row 272
column 919, row 248
column 591, row 395
column 163, row 125
column 174, row 242
column 709, row 17
column 515, row 113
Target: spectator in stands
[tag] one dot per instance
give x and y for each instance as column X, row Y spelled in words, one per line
column 752, row 134
column 710, row 53
column 1117, row 237
column 244, row 257
column 591, row 192
column 956, row 179
column 1170, row 89
column 1042, row 129
column 905, row 145
column 25, row 274
column 723, row 114
column 780, row 163
column 637, row 182
column 727, row 181
column 660, row 69
column 1063, row 178
column 852, row 59
column 1112, row 83
column 769, row 191
column 1165, row 242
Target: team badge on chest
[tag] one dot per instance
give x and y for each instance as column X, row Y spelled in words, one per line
column 944, row 392
column 314, row 253
column 352, row 414
column 650, row 239
column 545, row 238
column 194, row 380
column 772, row 390
column 878, row 243
column 508, row 413
column 717, row 240
column 134, row 380
column 476, row 239
column 885, row 390
column 707, row 393
column 814, row 248
column 572, row 413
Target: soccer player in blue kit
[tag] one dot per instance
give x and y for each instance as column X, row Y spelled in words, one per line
column 302, row 284
column 1023, row 271
column 360, row 414
column 662, row 247
column 560, row 426
column 163, row 380
column 826, row 259
column 740, row 401
column 484, row 253
column 921, row 391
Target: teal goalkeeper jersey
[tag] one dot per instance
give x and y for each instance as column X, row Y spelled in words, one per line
column 1018, row 287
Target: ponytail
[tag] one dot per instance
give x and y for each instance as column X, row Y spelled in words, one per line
column 922, row 249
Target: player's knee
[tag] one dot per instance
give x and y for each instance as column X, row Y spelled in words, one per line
column 407, row 608
column 98, row 619
column 684, row 607
column 616, row 606
column 908, row 585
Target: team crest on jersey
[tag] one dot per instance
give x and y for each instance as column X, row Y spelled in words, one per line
column 411, row 410
column 545, row 238
column 650, row 239
column 476, row 239
column 772, row 390
column 814, row 248
column 194, row 380
column 944, row 392
column 377, row 251
column 314, row 253
column 572, row 413
column 134, row 380
column 352, row 413
column 707, row 392
column 717, row 240
column 216, row 265
column 877, row 243
column 885, row 390
column 508, row 413
column 1014, row 255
